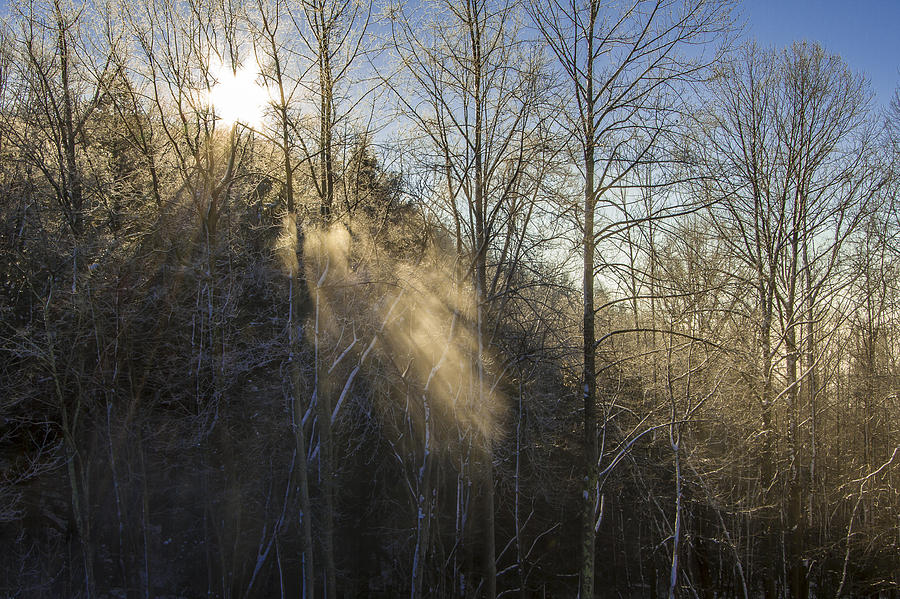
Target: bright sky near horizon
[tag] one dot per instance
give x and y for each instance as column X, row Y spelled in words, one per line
column 865, row 33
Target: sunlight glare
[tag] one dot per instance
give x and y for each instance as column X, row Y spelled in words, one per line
column 236, row 97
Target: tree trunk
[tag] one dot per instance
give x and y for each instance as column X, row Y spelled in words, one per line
column 589, row 496
column 326, row 464
column 296, row 320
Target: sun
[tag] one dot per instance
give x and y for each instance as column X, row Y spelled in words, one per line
column 236, row 97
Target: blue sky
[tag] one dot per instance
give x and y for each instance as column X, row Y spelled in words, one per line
column 865, row 33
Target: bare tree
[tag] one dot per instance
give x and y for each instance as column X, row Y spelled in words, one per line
column 475, row 94
column 793, row 145
column 623, row 63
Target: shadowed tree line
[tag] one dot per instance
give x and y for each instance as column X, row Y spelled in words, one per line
column 495, row 298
